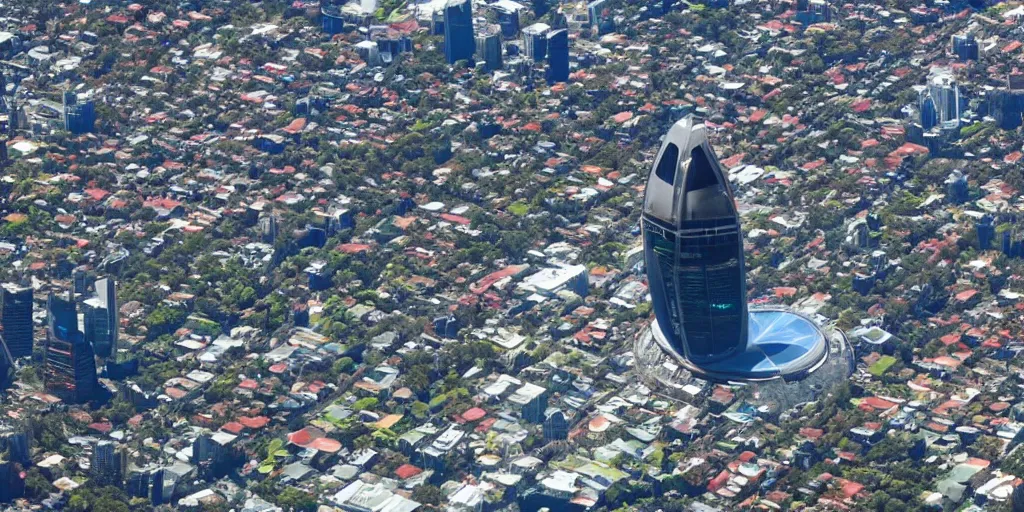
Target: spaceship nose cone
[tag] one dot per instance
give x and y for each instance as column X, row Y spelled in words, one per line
column 686, row 181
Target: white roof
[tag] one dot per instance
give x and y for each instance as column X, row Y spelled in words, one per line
column 433, row 206
column 508, row 5
column 467, row 495
column 561, row 481
column 374, row 498
column 551, row 279
column 526, row 394
column 222, row 438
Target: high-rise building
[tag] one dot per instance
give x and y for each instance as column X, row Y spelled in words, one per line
column 101, row 318
column 535, row 41
column 79, row 117
column 146, row 482
column 14, row 440
column 597, row 15
column 508, row 17
column 986, row 232
column 693, row 248
column 331, row 19
column 965, row 47
column 214, row 453
column 459, row 43
column 80, row 278
column 16, row 318
column 12, row 484
column 558, row 55
column 70, row 371
column 488, row 46
column 268, row 227
column 929, row 117
column 943, row 93
column 107, row 463
column 957, row 189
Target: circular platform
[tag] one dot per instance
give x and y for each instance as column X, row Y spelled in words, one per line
column 789, row 357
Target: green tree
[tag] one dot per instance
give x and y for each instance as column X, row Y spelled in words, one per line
column 427, row 494
column 296, row 500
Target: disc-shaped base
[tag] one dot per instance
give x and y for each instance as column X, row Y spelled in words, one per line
column 787, row 351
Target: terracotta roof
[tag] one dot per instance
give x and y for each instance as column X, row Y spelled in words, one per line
column 254, row 422
column 233, row 427
column 474, row 414
column 407, row 471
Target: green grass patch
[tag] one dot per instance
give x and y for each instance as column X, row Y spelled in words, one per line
column 882, row 365
column 519, row 209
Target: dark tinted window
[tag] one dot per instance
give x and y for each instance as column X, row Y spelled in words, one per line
column 667, row 165
column 701, row 175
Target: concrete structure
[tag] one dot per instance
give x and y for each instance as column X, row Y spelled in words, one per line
column 459, row 43
column 101, row 319
column 535, row 41
column 70, row 371
column 965, row 47
column 558, row 55
column 695, row 266
column 79, row 116
column 16, row 318
column 488, row 47
column 943, row 95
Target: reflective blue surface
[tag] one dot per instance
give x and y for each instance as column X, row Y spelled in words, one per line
column 780, row 343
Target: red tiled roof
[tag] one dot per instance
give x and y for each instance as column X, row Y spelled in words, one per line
column 301, row 437
column 622, row 117
column 353, row 248
column 407, row 471
column 474, row 414
column 326, row 444
column 103, row 427
column 877, row 403
column 97, row 194
column 233, row 427
column 254, row 422
column 296, row 126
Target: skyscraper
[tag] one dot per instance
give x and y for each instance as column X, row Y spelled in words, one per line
column 101, row 320
column 331, row 20
column 558, row 55
column 965, row 47
column 693, row 251
column 488, row 46
column 107, row 463
column 12, row 485
column 16, row 318
column 535, row 41
column 508, row 17
column 944, row 94
column 957, row 189
column 79, row 117
column 459, row 43
column 70, row 371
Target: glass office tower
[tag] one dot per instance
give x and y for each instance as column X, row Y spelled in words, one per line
column 459, row 42
column 694, row 249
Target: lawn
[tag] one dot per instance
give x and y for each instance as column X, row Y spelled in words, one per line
column 519, row 209
column 881, row 365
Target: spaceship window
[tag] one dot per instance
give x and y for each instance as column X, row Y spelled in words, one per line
column 701, row 175
column 666, row 169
